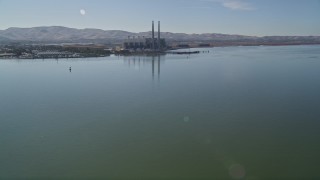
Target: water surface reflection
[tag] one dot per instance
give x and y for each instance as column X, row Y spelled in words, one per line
column 237, row 113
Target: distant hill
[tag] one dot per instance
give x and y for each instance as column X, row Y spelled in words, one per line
column 58, row 34
column 4, row 39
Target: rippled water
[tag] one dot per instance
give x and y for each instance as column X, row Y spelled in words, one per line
column 233, row 113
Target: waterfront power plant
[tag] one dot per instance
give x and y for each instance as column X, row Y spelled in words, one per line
column 146, row 43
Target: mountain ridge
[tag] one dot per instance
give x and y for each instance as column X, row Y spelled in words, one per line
column 66, row 34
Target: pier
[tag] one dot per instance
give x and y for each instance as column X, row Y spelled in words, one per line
column 183, row 52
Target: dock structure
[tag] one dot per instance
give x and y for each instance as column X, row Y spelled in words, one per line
column 54, row 54
column 183, row 52
column 7, row 55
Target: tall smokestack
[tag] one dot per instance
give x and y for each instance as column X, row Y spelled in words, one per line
column 153, row 36
column 159, row 44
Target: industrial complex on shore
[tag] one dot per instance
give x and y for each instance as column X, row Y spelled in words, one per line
column 150, row 44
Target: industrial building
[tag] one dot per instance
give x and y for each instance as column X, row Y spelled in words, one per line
column 145, row 44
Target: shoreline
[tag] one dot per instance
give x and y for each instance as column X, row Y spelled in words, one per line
column 258, row 44
column 171, row 51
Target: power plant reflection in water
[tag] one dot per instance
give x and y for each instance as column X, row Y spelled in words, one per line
column 142, row 43
column 139, row 62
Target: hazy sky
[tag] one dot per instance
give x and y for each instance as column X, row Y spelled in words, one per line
column 247, row 17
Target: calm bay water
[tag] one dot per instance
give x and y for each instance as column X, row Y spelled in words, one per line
column 233, row 113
